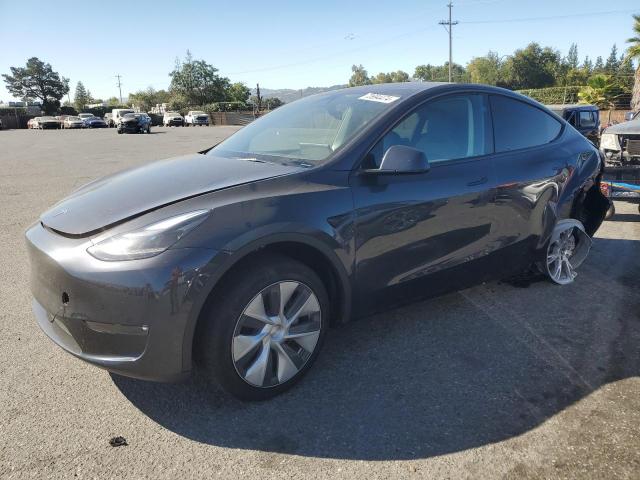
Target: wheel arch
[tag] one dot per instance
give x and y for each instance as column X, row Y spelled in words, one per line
column 304, row 248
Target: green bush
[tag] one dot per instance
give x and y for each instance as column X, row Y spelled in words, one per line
column 553, row 95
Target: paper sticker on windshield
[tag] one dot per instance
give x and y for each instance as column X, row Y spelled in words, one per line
column 376, row 97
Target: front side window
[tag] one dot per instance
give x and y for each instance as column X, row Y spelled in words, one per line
column 449, row 128
column 519, row 125
column 309, row 130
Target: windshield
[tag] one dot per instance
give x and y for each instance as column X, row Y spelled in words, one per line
column 198, row 113
column 73, row 119
column 310, row 129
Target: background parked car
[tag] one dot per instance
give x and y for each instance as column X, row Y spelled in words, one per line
column 173, row 119
column 196, row 117
column 118, row 113
column 48, row 123
column 584, row 118
column 72, row 122
column 108, row 119
column 94, row 122
column 32, row 122
column 135, row 123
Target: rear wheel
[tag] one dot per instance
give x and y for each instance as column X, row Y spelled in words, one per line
column 567, row 249
column 611, row 212
column 265, row 327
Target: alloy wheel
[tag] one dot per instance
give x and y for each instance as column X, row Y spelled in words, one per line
column 276, row 334
column 559, row 255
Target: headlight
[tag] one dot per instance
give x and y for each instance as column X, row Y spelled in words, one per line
column 147, row 241
column 609, row 141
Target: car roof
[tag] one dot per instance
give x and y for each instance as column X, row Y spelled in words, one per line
column 404, row 89
column 571, row 106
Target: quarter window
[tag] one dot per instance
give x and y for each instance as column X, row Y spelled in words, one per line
column 518, row 125
column 452, row 127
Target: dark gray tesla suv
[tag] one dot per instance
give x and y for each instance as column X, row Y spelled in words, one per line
column 331, row 207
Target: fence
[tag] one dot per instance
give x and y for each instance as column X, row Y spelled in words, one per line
column 15, row 120
column 231, row 118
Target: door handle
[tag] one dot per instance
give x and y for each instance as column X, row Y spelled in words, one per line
column 479, row 181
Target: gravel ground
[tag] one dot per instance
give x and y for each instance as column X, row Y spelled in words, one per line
column 515, row 379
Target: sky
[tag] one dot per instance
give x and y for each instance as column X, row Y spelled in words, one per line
column 288, row 44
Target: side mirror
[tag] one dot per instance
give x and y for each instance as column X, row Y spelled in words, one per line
column 402, row 159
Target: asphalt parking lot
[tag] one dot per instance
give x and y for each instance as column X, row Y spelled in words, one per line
column 514, row 379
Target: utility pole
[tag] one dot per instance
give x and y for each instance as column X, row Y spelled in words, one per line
column 449, row 24
column 119, row 87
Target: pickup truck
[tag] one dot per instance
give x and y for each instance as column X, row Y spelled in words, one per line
column 196, row 117
column 620, row 145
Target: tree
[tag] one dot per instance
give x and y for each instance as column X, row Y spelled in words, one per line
column 598, row 67
column 440, row 73
column 533, row 67
column 587, row 65
column 37, row 81
column 273, row 102
column 601, row 91
column 81, row 98
column 392, row 77
column 399, row 76
column 633, row 53
column 238, row 92
column 149, row 98
column 196, row 82
column 613, row 63
column 359, row 76
column 113, row 101
column 572, row 57
column 485, row 69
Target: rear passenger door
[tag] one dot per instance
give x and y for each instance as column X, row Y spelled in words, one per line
column 529, row 169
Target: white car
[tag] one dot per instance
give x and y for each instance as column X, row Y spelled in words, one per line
column 172, row 119
column 196, row 117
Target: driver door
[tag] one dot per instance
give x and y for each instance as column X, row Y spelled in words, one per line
column 423, row 233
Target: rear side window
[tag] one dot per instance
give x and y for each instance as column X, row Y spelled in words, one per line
column 519, row 125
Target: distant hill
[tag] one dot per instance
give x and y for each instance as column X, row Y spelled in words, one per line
column 288, row 95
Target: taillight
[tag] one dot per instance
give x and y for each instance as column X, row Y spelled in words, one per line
column 605, row 188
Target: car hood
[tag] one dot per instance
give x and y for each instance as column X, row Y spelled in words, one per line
column 631, row 127
column 114, row 199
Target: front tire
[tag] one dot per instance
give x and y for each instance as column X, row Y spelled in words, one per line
column 264, row 327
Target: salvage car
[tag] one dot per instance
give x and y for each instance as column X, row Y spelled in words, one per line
column 46, row 123
column 196, row 117
column 94, row 122
column 134, row 123
column 620, row 145
column 173, row 119
column 72, row 122
column 328, row 208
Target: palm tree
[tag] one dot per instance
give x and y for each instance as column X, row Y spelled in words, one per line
column 633, row 53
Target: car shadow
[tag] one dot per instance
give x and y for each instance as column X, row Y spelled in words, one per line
column 625, row 217
column 440, row 376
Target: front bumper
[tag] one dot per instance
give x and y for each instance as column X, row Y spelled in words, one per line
column 173, row 123
column 127, row 317
column 135, row 128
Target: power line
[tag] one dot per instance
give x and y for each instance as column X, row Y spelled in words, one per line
column 118, row 76
column 450, row 24
column 551, row 17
